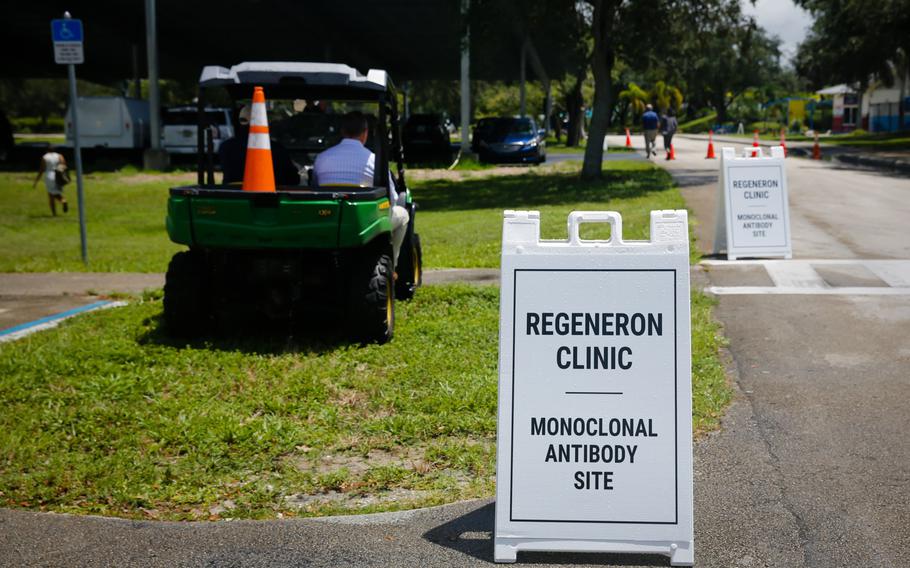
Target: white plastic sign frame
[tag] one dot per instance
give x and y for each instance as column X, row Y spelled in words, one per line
column 594, row 437
column 753, row 211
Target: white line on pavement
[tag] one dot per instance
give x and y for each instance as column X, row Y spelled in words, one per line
column 842, row 291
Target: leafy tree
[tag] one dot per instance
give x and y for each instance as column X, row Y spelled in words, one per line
column 853, row 41
column 662, row 96
column 732, row 55
column 636, row 31
column 636, row 98
column 666, row 96
column 43, row 98
column 857, row 42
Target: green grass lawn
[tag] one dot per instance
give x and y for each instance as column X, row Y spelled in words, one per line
column 108, row 415
column 125, row 214
column 56, row 139
column 561, row 148
column 891, row 141
column 702, row 124
column 887, row 141
column 460, row 221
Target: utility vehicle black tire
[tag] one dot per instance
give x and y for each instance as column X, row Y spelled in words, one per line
column 371, row 316
column 186, row 309
column 410, row 268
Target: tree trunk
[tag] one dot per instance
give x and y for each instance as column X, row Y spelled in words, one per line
column 720, row 105
column 901, row 107
column 573, row 107
column 602, row 67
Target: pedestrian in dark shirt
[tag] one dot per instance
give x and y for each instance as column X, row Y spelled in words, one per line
column 668, row 127
column 649, row 124
column 232, row 156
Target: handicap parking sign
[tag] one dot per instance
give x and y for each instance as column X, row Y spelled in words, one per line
column 67, row 37
column 66, row 30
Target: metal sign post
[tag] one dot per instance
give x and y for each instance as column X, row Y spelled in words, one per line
column 67, row 37
column 594, row 449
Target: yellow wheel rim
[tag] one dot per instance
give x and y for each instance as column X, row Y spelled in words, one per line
column 388, row 305
column 416, row 267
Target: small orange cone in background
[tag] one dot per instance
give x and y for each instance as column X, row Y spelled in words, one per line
column 672, row 154
column 628, row 139
column 755, row 143
column 710, row 155
column 783, row 140
column 816, row 149
column 258, row 174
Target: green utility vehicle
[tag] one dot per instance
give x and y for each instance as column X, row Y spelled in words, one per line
column 304, row 253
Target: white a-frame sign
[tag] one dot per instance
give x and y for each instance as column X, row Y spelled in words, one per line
column 594, row 442
column 753, row 215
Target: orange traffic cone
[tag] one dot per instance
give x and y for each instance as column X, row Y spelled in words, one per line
column 628, row 139
column 783, row 140
column 258, row 174
column 671, row 155
column 755, row 143
column 710, row 155
column 816, row 149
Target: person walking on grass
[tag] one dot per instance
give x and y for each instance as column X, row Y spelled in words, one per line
column 649, row 124
column 53, row 169
column 668, row 127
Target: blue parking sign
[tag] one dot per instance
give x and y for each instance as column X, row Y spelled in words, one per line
column 66, row 30
column 67, row 36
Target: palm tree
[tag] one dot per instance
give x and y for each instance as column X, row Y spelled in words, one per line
column 635, row 98
column 666, row 96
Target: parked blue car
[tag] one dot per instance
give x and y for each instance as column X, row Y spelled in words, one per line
column 509, row 140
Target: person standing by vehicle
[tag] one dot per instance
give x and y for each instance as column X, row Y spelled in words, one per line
column 649, row 124
column 351, row 163
column 53, row 169
column 668, row 127
column 232, row 155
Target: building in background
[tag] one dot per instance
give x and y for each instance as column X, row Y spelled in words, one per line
column 845, row 107
column 882, row 109
column 878, row 109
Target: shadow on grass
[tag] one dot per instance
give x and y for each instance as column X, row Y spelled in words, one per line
column 255, row 336
column 534, row 190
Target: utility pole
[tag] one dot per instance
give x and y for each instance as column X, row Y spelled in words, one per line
column 67, row 37
column 154, row 157
column 465, row 80
column 522, row 105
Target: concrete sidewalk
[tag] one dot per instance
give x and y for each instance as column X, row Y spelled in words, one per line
column 26, row 297
column 102, row 283
column 874, row 158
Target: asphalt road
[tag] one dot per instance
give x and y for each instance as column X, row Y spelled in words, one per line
column 824, row 379
column 811, row 468
column 836, row 211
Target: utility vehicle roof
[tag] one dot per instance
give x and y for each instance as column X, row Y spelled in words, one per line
column 299, row 77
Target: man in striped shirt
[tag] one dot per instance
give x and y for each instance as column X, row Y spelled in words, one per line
column 351, row 163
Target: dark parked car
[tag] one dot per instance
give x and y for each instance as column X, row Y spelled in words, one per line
column 509, row 140
column 426, row 139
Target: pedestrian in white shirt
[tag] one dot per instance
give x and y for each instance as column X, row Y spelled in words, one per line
column 351, row 163
column 50, row 163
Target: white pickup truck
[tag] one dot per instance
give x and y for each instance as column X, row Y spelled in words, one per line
column 110, row 122
column 178, row 132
